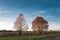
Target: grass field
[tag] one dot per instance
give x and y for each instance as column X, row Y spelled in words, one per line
column 27, row 37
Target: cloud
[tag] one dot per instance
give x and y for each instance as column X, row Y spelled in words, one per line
column 5, row 25
column 54, row 26
column 7, row 12
column 30, row 28
column 43, row 11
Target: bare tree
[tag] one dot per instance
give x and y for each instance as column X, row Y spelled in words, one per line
column 40, row 24
column 20, row 23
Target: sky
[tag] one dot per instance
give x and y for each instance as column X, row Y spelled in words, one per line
column 48, row 9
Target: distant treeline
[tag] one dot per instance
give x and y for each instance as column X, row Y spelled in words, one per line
column 12, row 33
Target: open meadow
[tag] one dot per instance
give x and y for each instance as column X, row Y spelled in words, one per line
column 28, row 37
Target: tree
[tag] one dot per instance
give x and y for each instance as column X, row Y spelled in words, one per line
column 40, row 24
column 20, row 23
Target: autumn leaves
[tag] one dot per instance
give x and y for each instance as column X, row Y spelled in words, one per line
column 38, row 24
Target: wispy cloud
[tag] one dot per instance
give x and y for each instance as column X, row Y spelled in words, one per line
column 43, row 11
column 5, row 25
column 7, row 12
column 54, row 26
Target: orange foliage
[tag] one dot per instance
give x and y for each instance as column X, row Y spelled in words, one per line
column 38, row 23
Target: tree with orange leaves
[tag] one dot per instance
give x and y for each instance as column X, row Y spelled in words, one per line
column 39, row 24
